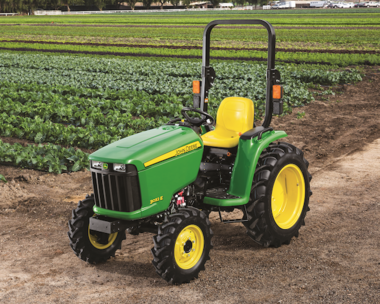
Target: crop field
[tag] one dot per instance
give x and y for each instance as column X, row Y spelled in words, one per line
column 70, row 85
column 87, row 81
column 91, row 102
column 307, row 36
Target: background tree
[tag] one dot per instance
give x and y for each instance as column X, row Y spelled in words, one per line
column 238, row 2
column 5, row 6
column 32, row 5
column 175, row 2
column 132, row 4
column 88, row 4
column 114, row 3
column 257, row 2
column 186, row 3
column 17, row 6
column 55, row 4
column 147, row 3
column 215, row 3
column 100, row 4
column 162, row 3
column 67, row 3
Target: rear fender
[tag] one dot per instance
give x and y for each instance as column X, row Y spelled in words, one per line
column 246, row 161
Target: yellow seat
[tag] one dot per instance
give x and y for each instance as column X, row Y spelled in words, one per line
column 235, row 115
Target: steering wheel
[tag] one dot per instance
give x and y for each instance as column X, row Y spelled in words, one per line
column 197, row 121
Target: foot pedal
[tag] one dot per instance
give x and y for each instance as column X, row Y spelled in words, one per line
column 244, row 219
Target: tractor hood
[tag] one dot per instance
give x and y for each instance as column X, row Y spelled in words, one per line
column 149, row 147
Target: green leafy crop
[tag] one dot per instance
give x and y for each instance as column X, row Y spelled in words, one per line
column 47, row 157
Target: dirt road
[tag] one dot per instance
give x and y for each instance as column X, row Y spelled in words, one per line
column 335, row 259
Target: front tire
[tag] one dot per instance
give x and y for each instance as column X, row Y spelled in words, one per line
column 91, row 246
column 279, row 196
column 182, row 246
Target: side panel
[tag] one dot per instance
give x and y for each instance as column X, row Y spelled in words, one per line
column 160, row 181
column 245, row 165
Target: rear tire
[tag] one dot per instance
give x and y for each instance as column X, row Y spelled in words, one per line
column 182, row 246
column 279, row 196
column 91, row 246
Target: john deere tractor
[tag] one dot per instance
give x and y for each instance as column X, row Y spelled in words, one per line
column 167, row 180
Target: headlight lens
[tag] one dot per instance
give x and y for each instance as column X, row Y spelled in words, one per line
column 119, row 167
column 97, row 165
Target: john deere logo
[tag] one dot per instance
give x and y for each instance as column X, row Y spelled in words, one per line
column 105, row 166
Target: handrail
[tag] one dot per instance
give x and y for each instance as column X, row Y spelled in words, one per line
column 270, row 67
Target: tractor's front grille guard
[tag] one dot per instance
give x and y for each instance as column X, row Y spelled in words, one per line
column 117, row 191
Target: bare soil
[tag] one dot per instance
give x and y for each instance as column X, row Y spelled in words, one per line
column 335, row 259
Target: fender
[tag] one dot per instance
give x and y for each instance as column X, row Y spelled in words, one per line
column 245, row 165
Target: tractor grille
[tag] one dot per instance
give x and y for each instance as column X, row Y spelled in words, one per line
column 117, row 191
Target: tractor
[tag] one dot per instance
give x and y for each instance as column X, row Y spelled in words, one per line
column 167, row 180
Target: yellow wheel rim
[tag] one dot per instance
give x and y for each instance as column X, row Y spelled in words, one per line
column 288, row 196
column 94, row 240
column 189, row 247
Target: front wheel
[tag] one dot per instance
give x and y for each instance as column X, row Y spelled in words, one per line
column 279, row 196
column 182, row 246
column 91, row 246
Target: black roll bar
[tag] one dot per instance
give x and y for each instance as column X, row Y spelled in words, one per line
column 208, row 73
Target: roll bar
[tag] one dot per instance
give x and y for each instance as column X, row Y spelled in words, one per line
column 208, row 73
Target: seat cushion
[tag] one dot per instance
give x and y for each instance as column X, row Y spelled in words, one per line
column 235, row 116
column 221, row 140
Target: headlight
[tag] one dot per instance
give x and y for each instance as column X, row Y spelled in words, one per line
column 119, row 167
column 97, row 165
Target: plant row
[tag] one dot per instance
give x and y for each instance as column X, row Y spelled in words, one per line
column 88, row 111
column 92, row 137
column 49, row 157
column 341, row 36
column 144, row 70
column 332, row 58
column 81, row 113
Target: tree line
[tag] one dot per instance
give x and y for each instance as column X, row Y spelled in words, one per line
column 28, row 6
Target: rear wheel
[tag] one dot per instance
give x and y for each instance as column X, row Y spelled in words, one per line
column 279, row 196
column 91, row 246
column 182, row 246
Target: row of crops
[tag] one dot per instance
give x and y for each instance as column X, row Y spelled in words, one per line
column 341, row 35
column 63, row 103
column 251, row 55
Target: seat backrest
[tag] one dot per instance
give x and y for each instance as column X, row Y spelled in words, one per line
column 235, row 114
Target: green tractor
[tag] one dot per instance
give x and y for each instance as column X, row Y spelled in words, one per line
column 167, row 180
